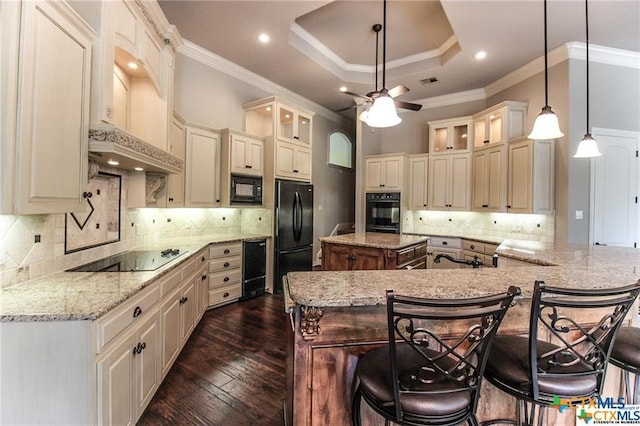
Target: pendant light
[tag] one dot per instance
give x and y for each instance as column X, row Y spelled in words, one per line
column 383, row 111
column 587, row 147
column 546, row 126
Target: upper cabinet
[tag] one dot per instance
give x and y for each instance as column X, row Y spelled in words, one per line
column 500, row 123
column 489, row 178
column 45, row 81
column 449, row 182
column 418, row 167
column 451, row 135
column 202, row 167
column 530, row 182
column 287, row 131
column 242, row 153
column 386, row 173
column 133, row 85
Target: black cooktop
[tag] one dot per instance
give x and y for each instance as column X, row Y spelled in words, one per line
column 131, row 261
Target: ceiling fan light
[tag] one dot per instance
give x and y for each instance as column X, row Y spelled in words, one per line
column 383, row 113
column 546, row 126
column 587, row 147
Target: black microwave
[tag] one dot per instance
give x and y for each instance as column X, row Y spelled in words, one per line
column 246, row 190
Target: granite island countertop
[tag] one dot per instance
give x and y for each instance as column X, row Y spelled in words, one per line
column 65, row 296
column 376, row 240
column 580, row 266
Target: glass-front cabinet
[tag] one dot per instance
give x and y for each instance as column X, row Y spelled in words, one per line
column 502, row 122
column 452, row 135
column 294, row 126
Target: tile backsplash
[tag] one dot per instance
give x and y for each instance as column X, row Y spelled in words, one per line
column 32, row 246
column 494, row 226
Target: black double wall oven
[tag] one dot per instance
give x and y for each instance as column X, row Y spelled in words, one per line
column 383, row 212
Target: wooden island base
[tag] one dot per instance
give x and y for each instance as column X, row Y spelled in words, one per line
column 323, row 352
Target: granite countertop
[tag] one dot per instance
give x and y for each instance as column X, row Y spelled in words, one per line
column 67, row 296
column 377, row 240
column 580, row 266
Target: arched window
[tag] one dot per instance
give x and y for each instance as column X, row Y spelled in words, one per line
column 340, row 150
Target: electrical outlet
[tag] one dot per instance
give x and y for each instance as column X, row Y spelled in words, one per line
column 579, row 214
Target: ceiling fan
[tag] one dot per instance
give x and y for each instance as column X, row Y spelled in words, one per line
column 385, row 116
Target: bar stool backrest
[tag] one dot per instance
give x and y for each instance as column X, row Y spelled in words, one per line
column 460, row 359
column 580, row 350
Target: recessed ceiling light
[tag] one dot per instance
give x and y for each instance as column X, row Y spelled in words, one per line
column 132, row 65
column 264, row 38
column 268, row 108
column 138, row 169
column 481, row 54
column 343, row 89
column 113, row 163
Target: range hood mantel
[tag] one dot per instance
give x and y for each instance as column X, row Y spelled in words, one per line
column 114, row 144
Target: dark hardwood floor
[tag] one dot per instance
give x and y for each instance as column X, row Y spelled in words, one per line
column 231, row 371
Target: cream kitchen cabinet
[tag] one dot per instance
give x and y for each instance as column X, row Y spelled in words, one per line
column 451, row 135
column 293, row 124
column 292, row 161
column 418, row 168
column 46, row 76
column 489, row 179
column 386, row 172
column 225, row 273
column 443, row 245
column 530, row 182
column 202, row 167
column 177, row 147
column 449, row 182
column 500, row 123
column 242, row 153
column 129, row 374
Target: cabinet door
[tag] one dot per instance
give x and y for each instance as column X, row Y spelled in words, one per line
column 366, row 258
column 393, row 171
column 303, row 128
column 247, row 155
column 459, row 197
column 147, row 361
column 293, row 161
column 496, row 179
column 520, row 184
column 418, row 185
column 255, row 156
column 201, row 168
column 374, row 174
column 335, row 257
column 479, row 179
column 55, row 67
column 116, row 385
column 171, row 333
column 188, row 309
column 438, row 182
column 175, row 181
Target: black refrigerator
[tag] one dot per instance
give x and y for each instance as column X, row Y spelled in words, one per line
column 293, row 229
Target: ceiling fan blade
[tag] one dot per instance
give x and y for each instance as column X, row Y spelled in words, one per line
column 373, row 94
column 356, row 95
column 407, row 105
column 345, row 108
column 398, row 90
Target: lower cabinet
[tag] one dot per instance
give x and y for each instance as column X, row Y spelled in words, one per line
column 225, row 273
column 347, row 257
column 129, row 374
column 445, row 246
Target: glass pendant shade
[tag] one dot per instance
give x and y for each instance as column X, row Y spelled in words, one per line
column 383, row 113
column 546, row 126
column 587, row 147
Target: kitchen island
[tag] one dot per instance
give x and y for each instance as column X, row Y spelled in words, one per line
column 371, row 250
column 338, row 315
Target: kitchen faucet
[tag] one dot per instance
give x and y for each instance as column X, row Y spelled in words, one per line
column 475, row 263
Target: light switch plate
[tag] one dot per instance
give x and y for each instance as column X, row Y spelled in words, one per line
column 579, row 214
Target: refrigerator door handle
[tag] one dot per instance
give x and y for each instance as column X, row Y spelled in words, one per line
column 296, row 250
column 297, row 216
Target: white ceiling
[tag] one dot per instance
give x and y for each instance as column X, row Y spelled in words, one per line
column 318, row 46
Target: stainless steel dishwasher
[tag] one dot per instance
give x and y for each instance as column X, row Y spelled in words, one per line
column 254, row 268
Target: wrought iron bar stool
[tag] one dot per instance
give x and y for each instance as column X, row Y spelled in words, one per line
column 626, row 355
column 539, row 373
column 424, row 378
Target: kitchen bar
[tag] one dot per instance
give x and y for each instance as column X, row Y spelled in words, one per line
column 339, row 315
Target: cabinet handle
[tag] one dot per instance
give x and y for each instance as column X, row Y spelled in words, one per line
column 351, row 257
column 508, row 206
column 226, row 251
column 444, row 243
column 248, row 166
column 486, row 141
column 204, row 277
column 183, row 300
column 296, row 171
column 472, row 247
column 137, row 311
column 225, row 295
column 296, row 137
column 226, row 264
column 225, row 279
column 424, row 205
column 139, row 348
column 170, row 199
column 203, row 259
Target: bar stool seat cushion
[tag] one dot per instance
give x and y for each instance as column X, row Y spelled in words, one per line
column 508, row 365
column 441, row 396
column 625, row 347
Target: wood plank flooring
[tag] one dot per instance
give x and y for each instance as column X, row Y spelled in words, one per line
column 230, row 372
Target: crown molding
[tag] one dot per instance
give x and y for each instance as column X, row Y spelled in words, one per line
column 210, row 59
column 452, row 99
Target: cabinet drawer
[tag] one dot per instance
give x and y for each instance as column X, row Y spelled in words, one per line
column 224, row 294
column 490, row 248
column 475, row 246
column 421, row 250
column 225, row 263
column 190, row 267
column 225, row 278
column 444, row 242
column 222, row 250
column 171, row 281
column 123, row 316
column 405, row 255
column 416, row 264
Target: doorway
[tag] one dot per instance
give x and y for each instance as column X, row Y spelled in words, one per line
column 614, row 189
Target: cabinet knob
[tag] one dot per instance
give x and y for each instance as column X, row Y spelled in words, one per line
column 203, row 259
column 170, row 199
column 226, row 264
column 227, row 251
column 248, row 166
column 424, row 205
column 472, row 247
column 137, row 311
column 204, row 277
column 508, row 206
column 225, row 295
column 486, row 141
column 296, row 171
column 296, row 137
column 225, row 279
column 444, row 243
